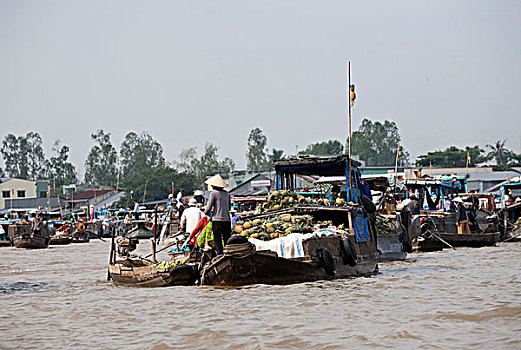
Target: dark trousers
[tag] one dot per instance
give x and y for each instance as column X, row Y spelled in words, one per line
column 222, row 231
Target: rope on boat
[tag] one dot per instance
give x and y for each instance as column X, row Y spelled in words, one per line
column 240, row 251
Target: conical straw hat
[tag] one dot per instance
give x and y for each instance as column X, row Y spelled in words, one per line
column 216, row 181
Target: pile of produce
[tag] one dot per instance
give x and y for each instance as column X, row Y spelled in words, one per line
column 279, row 226
column 167, row 264
column 384, row 226
column 284, row 199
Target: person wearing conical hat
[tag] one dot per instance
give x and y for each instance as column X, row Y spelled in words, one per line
column 218, row 206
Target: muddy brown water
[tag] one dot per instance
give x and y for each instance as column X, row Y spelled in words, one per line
column 58, row 298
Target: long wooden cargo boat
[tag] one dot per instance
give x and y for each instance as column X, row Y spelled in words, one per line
column 139, row 273
column 322, row 257
column 470, row 240
column 22, row 236
column 265, row 267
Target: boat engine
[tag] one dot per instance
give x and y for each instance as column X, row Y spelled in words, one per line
column 126, row 246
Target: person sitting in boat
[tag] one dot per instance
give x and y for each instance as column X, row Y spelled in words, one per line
column 335, row 190
column 234, row 216
column 414, row 205
column 191, row 216
column 461, row 216
column 198, row 195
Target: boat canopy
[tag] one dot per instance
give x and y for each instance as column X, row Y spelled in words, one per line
column 287, row 169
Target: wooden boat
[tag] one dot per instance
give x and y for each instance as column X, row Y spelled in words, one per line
column 324, row 260
column 470, row 240
column 22, row 236
column 142, row 273
column 325, row 257
column 60, row 239
column 4, row 238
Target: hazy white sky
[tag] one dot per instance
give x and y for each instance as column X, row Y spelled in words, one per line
column 191, row 72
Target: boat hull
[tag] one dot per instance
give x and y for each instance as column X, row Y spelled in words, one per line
column 152, row 277
column 391, row 248
column 266, row 268
column 35, row 242
column 471, row 240
column 60, row 240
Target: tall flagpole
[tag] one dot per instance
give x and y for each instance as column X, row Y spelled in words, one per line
column 349, row 122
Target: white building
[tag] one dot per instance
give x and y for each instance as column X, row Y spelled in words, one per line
column 11, row 189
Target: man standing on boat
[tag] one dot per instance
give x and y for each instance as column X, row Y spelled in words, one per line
column 462, row 217
column 219, row 205
column 136, row 210
column 180, row 202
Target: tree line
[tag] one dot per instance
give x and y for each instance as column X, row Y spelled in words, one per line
column 141, row 170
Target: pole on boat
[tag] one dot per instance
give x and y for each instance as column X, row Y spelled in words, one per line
column 153, row 243
column 349, row 123
column 155, row 223
column 112, row 251
column 398, row 155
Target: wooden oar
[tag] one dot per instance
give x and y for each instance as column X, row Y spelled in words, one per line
column 442, row 240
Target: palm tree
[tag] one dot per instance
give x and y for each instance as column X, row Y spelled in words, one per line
column 498, row 152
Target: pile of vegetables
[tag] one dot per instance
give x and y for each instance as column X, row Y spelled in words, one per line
column 167, row 264
column 384, row 226
column 284, row 199
column 279, row 226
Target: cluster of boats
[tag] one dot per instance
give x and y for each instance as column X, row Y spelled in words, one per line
column 353, row 245
column 372, row 225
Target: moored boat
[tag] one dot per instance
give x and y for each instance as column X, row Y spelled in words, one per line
column 60, row 239
column 470, row 240
column 23, row 236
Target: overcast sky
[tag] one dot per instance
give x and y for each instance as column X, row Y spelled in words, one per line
column 191, row 72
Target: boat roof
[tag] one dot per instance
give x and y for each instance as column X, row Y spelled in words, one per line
column 323, row 166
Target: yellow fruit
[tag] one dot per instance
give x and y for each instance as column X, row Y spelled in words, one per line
column 275, row 193
column 255, row 235
column 270, row 229
column 289, row 230
column 244, row 233
column 276, row 207
column 286, row 218
column 247, row 224
column 256, row 221
column 238, row 229
column 284, row 193
column 269, row 224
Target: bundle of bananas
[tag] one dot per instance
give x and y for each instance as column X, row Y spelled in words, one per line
column 279, row 226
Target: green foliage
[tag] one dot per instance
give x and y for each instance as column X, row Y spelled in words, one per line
column 276, row 154
column 325, row 148
column 376, row 143
column 257, row 152
column 452, row 157
column 23, row 156
column 58, row 169
column 140, row 153
column 499, row 153
column 100, row 166
column 15, row 157
column 158, row 184
column 198, row 169
column 35, row 156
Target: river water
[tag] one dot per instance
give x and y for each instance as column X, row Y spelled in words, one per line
column 59, row 298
